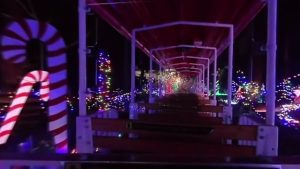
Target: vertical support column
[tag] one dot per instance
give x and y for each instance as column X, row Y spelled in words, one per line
column 84, row 141
column 271, row 62
column 271, row 132
column 228, row 109
column 197, row 84
column 201, row 82
column 266, row 145
column 230, row 67
column 132, row 106
column 84, row 136
column 159, row 82
column 82, row 56
column 207, row 80
column 150, row 82
column 203, row 79
column 215, row 75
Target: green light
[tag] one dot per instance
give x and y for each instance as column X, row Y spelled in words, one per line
column 221, row 94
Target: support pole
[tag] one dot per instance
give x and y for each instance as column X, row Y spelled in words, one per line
column 132, row 106
column 207, row 80
column 215, row 75
column 271, row 62
column 84, row 137
column 150, row 82
column 230, row 67
column 203, row 79
column 228, row 109
column 82, row 56
column 159, row 82
column 199, row 83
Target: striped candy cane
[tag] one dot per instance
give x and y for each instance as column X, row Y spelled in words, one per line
column 13, row 47
column 20, row 99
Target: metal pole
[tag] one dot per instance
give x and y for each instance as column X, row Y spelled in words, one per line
column 82, row 56
column 170, row 24
column 228, row 108
column 230, row 67
column 201, row 85
column 159, row 82
column 198, row 82
column 271, row 62
column 150, row 83
column 84, row 137
column 132, row 81
column 203, row 79
column 207, row 80
column 215, row 74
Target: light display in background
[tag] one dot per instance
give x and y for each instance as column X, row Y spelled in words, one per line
column 244, row 92
column 288, row 98
column 250, row 94
column 120, row 100
column 284, row 92
column 172, row 81
column 100, row 99
column 178, row 83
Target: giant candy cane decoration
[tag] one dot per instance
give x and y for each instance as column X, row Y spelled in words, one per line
column 13, row 47
column 20, row 99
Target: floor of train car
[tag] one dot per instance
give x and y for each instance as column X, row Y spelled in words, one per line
column 142, row 161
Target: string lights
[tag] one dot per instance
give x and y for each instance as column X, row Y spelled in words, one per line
column 100, row 99
column 251, row 94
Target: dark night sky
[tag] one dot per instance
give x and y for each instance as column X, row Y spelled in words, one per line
column 288, row 42
column 63, row 15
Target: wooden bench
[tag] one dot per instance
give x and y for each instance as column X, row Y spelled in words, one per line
column 149, row 137
column 171, row 126
column 202, row 110
column 182, row 103
column 180, row 118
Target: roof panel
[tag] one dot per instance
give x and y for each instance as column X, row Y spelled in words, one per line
column 124, row 16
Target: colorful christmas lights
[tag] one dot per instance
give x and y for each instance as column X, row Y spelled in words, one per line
column 100, row 99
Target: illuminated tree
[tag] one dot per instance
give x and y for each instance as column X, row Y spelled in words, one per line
column 100, row 100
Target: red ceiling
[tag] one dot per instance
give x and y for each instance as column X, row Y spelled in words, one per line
column 127, row 15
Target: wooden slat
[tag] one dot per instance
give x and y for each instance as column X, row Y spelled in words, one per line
column 242, row 132
column 110, row 125
column 180, row 118
column 210, row 108
column 153, row 146
column 167, row 136
column 183, row 102
column 204, row 102
column 182, row 108
column 218, row 131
